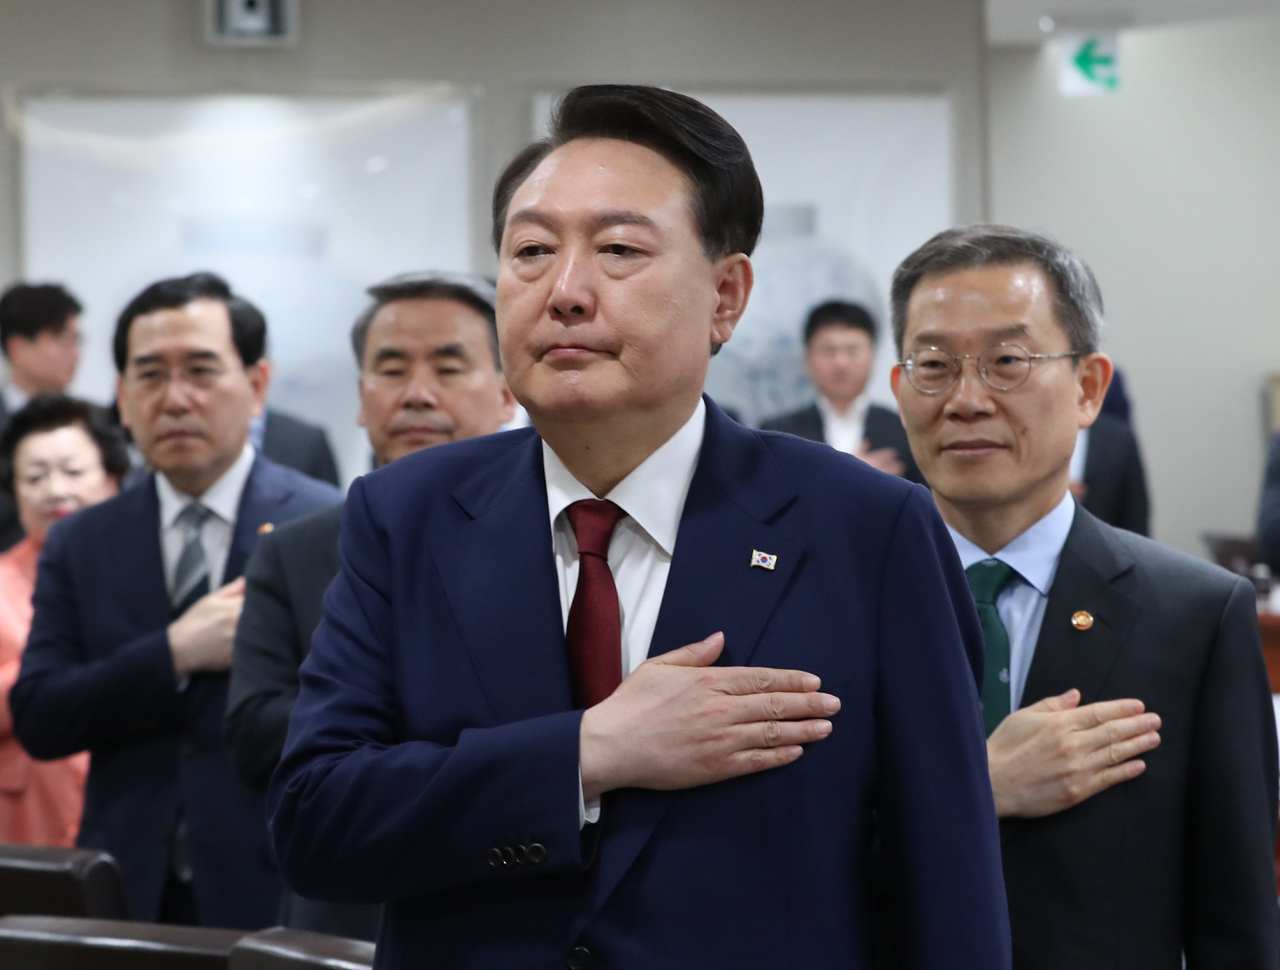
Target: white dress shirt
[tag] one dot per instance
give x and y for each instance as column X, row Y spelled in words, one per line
column 222, row 498
column 844, row 432
column 15, row 398
column 640, row 552
column 1034, row 557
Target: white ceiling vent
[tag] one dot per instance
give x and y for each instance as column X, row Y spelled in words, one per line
column 251, row 23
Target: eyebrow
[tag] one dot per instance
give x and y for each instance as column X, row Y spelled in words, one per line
column 143, row 359
column 453, row 350
column 1004, row 333
column 605, row 220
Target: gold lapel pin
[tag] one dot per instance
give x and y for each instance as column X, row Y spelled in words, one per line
column 763, row 560
column 1082, row 619
column 265, row 528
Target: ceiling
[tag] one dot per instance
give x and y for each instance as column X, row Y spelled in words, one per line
column 1018, row 22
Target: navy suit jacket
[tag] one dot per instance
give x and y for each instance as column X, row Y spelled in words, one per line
column 97, row 675
column 435, row 726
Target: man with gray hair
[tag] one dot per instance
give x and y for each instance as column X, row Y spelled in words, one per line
column 429, row 373
column 1131, row 737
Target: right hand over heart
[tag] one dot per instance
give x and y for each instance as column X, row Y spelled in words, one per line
column 678, row 722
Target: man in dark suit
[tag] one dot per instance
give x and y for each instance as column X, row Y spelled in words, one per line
column 135, row 609
column 429, row 373
column 1113, row 483
column 40, row 339
column 518, row 725
column 840, row 348
column 1132, row 743
column 295, row 443
column 1269, row 508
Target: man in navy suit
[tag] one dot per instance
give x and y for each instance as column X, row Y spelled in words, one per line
column 136, row 607
column 574, row 698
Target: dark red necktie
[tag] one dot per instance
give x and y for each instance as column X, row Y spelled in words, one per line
column 594, row 631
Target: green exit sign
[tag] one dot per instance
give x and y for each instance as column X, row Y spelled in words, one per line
column 1088, row 62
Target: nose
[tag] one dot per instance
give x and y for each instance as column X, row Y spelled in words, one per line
column 177, row 395
column 423, row 391
column 969, row 397
column 573, row 298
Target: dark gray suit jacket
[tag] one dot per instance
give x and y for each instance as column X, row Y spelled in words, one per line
column 290, row 441
column 1180, row 858
column 285, row 581
column 1115, row 481
column 883, row 430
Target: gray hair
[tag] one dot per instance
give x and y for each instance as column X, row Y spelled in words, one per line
column 475, row 292
column 1077, row 298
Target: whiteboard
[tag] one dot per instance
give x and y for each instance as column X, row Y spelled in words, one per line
column 300, row 203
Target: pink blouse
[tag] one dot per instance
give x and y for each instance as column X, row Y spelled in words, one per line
column 40, row 801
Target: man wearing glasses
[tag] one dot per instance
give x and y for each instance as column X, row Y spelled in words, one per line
column 136, row 605
column 1131, row 737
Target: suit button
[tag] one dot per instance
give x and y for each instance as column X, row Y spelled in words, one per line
column 508, row 856
column 579, row 958
column 495, row 856
column 537, row 853
column 522, row 855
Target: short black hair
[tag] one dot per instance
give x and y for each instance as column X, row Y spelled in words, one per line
column 838, row 313
column 248, row 325
column 475, row 292
column 728, row 203
column 1077, row 297
column 29, row 309
column 49, row 412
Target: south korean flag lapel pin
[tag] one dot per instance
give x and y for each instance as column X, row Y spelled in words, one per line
column 763, row 559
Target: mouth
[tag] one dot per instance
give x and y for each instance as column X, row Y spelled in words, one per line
column 973, row 449
column 568, row 352
column 421, row 432
column 178, row 434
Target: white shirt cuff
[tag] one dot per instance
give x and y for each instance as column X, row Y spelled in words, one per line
column 588, row 812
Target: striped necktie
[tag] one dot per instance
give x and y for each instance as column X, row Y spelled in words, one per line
column 987, row 579
column 191, row 578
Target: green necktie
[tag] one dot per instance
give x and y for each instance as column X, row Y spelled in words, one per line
column 987, row 578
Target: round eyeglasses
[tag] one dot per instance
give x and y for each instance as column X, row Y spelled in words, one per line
column 1003, row 367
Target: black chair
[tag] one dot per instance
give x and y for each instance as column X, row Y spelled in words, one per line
column 71, row 943
column 46, row 881
column 283, row 949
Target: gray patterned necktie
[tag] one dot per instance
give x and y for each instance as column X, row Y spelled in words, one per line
column 191, row 578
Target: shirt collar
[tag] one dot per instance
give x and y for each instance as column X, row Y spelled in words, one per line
column 222, row 498
column 15, row 398
column 653, row 494
column 857, row 410
column 1035, row 553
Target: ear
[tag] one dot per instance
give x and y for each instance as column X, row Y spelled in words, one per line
column 361, row 421
column 895, row 380
column 734, row 278
column 259, row 380
column 508, row 410
column 1093, row 376
column 122, row 403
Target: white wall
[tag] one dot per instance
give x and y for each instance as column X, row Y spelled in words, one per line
column 1171, row 190
column 505, row 52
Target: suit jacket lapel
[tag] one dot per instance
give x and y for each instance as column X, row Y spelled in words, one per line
column 263, row 494
column 141, row 559
column 498, row 570
column 1086, row 580
column 737, row 503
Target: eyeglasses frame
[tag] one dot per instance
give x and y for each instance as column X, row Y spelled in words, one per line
column 908, row 367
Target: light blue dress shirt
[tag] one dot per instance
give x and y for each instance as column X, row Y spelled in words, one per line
column 1034, row 557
